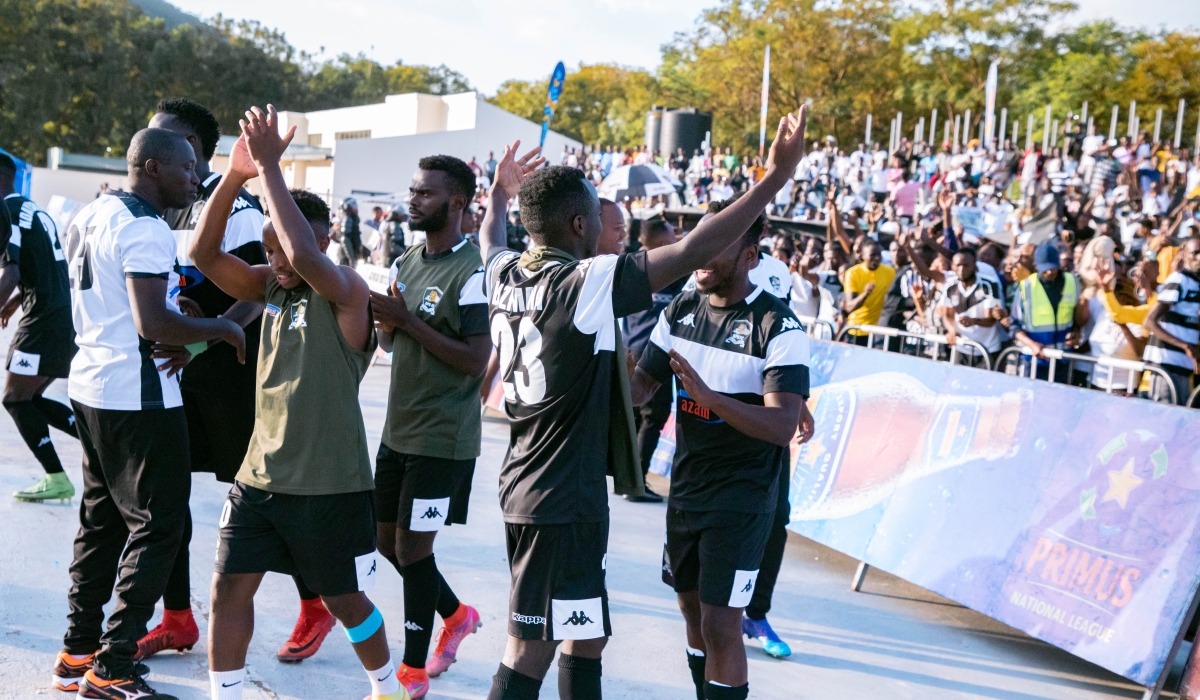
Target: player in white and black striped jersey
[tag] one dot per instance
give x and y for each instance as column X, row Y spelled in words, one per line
column 1174, row 325
column 741, row 357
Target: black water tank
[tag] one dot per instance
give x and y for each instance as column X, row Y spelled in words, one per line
column 684, row 128
column 653, row 128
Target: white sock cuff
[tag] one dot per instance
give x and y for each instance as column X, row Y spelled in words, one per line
column 384, row 681
column 226, row 685
column 694, row 652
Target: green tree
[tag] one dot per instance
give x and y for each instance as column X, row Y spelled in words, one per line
column 600, row 103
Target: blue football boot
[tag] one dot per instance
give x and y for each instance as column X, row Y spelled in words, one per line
column 761, row 630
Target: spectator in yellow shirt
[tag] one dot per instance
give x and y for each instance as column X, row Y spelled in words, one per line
column 866, row 287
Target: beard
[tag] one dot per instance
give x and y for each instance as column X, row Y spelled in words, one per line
column 435, row 221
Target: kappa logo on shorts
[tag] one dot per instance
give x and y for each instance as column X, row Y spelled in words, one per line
column 528, row 619
column 428, row 514
column 24, row 363
column 364, row 567
column 578, row 619
column 430, row 299
column 299, row 311
column 743, row 588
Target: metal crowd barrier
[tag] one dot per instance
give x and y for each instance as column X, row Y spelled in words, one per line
column 813, row 327
column 923, row 341
column 1194, row 400
column 1134, row 369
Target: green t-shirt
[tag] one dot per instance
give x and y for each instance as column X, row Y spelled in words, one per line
column 309, row 437
column 433, row 409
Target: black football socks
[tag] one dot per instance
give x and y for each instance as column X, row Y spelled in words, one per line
column 578, row 678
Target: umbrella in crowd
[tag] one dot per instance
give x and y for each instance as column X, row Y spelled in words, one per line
column 637, row 181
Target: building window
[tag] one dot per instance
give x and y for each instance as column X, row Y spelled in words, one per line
column 341, row 135
column 314, row 139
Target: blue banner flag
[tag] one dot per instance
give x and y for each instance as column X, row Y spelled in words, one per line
column 1073, row 516
column 555, row 89
column 23, row 183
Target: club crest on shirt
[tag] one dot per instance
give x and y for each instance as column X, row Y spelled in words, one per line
column 430, row 299
column 774, row 283
column 299, row 309
column 689, row 320
column 741, row 331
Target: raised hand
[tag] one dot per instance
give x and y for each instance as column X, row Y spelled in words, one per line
column 695, row 387
column 788, row 147
column 241, row 165
column 261, row 133
column 511, row 171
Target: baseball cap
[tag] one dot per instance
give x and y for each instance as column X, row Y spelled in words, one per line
column 1045, row 258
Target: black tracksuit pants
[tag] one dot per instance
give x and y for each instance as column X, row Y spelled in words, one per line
column 136, row 484
column 772, row 559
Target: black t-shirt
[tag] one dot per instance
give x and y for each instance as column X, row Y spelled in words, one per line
column 744, row 351
column 33, row 246
column 556, row 333
column 216, row 370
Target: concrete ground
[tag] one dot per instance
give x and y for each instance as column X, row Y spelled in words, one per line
column 893, row 640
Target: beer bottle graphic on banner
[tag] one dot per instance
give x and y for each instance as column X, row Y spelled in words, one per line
column 876, row 433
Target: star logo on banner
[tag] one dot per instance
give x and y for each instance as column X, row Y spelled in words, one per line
column 812, row 452
column 1120, row 484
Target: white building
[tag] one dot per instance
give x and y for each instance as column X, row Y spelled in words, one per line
column 375, row 148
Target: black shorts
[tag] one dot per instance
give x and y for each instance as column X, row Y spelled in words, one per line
column 558, row 581
column 419, row 493
column 38, row 351
column 219, row 431
column 716, row 552
column 328, row 541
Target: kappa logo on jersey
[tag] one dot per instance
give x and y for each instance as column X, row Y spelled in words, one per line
column 741, row 331
column 789, row 324
column 528, row 619
column 774, row 283
column 689, row 320
column 430, row 299
column 583, row 266
column 299, row 310
column 24, row 363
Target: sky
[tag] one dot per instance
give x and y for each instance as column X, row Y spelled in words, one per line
column 491, row 41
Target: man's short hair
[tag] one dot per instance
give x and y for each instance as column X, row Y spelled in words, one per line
column 551, row 197
column 8, row 168
column 460, row 175
column 314, row 209
column 752, row 234
column 655, row 227
column 197, row 117
column 153, row 144
column 967, row 251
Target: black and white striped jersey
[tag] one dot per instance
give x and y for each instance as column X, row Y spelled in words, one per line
column 555, row 330
column 745, row 351
column 217, row 370
column 117, row 236
column 34, row 247
column 1182, row 292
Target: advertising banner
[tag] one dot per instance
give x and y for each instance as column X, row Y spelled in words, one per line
column 1066, row 513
